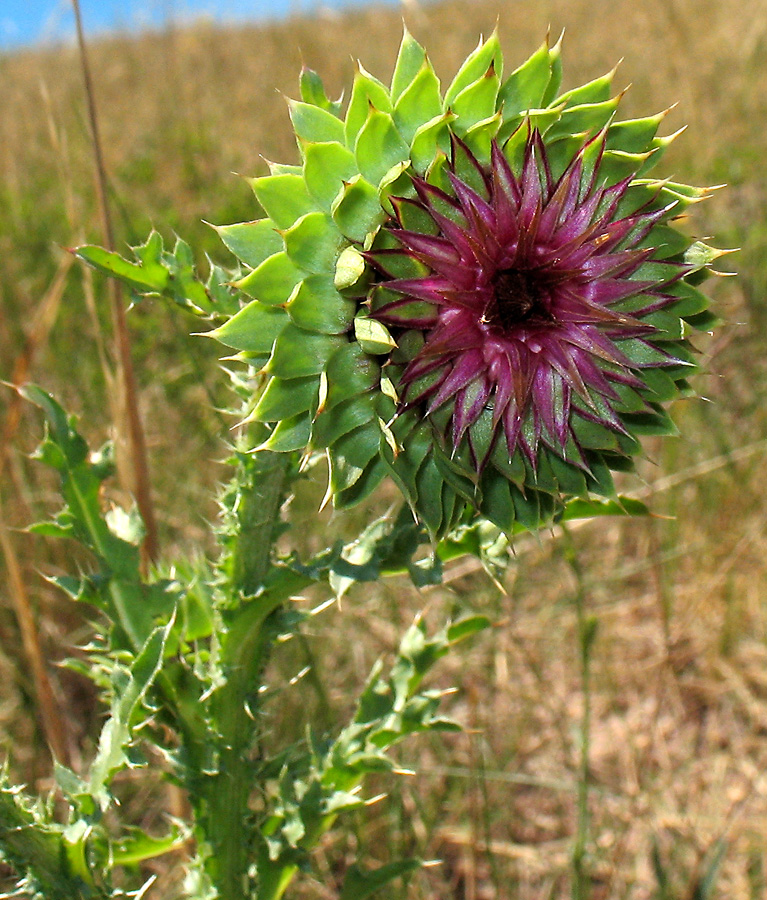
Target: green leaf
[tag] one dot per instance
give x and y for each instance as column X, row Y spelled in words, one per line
column 284, row 198
column 349, row 268
column 273, row 281
column 379, row 147
column 316, row 305
column 480, row 136
column 117, row 733
column 139, row 846
column 700, row 255
column 312, row 123
column 290, row 434
column 313, row 92
column 582, row 508
column 144, row 278
column 525, row 87
column 512, row 134
column 343, row 418
column 410, row 60
column 314, row 243
column 350, row 455
column 634, row 135
column 432, row 136
column 475, row 66
column 298, row 353
column 357, row 209
column 590, row 117
column 555, row 61
column 350, row 371
column 283, row 398
column 359, row 883
column 254, row 328
column 252, row 242
column 373, row 336
column 326, row 168
column 476, row 102
column 419, row 103
column 368, row 93
column 691, row 301
column 131, row 604
column 596, row 91
column 496, row 503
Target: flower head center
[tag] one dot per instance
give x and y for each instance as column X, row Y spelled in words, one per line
column 518, row 298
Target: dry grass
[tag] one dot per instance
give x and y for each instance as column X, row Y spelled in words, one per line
column 680, row 663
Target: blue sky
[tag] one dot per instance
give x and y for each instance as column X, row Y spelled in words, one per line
column 30, row 21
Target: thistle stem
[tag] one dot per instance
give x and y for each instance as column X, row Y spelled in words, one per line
column 259, row 487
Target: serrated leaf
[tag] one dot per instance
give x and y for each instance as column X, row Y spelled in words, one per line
column 139, row 846
column 116, row 734
column 144, row 278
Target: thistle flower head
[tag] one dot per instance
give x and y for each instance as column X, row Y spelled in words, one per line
column 523, row 307
column 479, row 293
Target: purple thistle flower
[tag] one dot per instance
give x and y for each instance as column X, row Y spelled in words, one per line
column 532, row 286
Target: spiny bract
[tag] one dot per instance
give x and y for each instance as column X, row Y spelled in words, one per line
column 479, row 294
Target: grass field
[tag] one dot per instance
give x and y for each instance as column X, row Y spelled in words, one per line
column 679, row 674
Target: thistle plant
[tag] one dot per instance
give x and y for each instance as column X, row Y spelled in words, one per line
column 481, row 295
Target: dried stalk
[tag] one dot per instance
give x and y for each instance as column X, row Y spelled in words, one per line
column 52, row 723
column 129, row 420
column 30, row 639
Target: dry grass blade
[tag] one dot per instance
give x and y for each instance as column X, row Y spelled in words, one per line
column 129, row 419
column 37, row 336
column 49, row 709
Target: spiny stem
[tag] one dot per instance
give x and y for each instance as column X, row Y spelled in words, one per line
column 127, row 380
column 260, row 484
